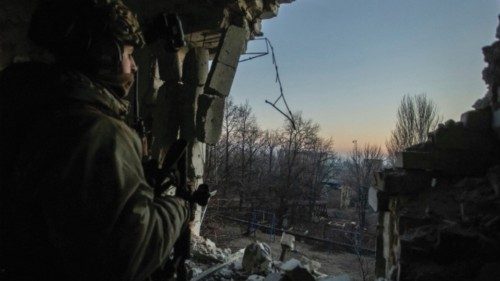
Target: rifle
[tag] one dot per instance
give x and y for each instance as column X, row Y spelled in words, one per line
column 173, row 172
column 175, row 161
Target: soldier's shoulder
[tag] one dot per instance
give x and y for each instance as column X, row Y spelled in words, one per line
column 105, row 121
column 111, row 127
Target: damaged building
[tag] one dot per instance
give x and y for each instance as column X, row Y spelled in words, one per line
column 438, row 209
column 179, row 96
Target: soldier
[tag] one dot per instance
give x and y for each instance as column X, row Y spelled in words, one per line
column 75, row 202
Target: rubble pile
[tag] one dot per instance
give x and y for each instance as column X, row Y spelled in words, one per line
column 439, row 209
column 254, row 263
column 437, row 228
column 204, row 250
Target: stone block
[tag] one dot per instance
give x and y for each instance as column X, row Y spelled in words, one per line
column 288, row 240
column 477, row 120
column 414, row 160
column 294, row 271
column 290, row 264
column 209, row 117
column 223, row 69
column 400, row 182
column 257, row 258
column 457, row 136
column 450, row 162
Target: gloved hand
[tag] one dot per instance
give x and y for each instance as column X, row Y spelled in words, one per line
column 199, row 196
column 159, row 179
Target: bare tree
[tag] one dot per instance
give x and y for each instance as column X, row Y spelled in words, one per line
column 291, row 165
column 417, row 116
column 247, row 140
column 319, row 166
column 219, row 158
column 361, row 166
column 272, row 141
column 288, row 165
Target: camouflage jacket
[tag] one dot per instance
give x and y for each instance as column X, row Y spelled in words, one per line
column 78, row 206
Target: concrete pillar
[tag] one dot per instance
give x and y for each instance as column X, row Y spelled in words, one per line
column 195, row 71
column 218, row 84
column 166, row 109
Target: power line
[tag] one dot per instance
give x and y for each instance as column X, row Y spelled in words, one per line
column 254, row 55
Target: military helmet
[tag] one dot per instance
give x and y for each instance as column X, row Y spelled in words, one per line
column 122, row 24
column 72, row 28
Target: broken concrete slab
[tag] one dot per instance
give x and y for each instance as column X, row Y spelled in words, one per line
column 290, row 264
column 399, row 181
column 295, row 271
column 223, row 69
column 454, row 135
column 312, row 265
column 450, row 162
column 414, row 160
column 287, row 245
column 477, row 120
column 257, row 258
column 209, row 118
column 232, row 258
column 194, row 75
column 206, row 251
column 288, row 239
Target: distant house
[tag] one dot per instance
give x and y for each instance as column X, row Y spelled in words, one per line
column 337, row 194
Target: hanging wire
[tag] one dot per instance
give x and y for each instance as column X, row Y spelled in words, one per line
column 254, row 55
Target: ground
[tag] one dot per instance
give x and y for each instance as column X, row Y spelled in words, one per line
column 333, row 261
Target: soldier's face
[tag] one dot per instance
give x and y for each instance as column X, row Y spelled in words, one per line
column 128, row 63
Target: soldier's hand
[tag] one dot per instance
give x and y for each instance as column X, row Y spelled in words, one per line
column 159, row 179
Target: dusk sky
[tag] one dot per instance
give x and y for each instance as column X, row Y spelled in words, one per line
column 347, row 64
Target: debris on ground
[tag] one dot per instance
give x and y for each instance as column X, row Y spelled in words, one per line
column 205, row 250
column 257, row 258
column 254, row 263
